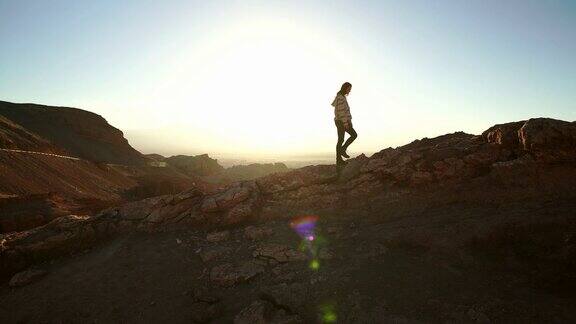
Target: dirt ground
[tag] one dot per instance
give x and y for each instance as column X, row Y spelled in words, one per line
column 379, row 268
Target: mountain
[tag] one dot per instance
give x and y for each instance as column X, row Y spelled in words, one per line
column 251, row 171
column 198, row 165
column 80, row 133
column 16, row 137
column 458, row 228
column 68, row 160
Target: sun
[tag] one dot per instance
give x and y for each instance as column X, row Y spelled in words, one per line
column 264, row 85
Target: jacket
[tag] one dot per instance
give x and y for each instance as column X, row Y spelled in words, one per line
column 341, row 108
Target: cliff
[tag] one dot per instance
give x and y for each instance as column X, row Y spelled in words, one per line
column 81, row 133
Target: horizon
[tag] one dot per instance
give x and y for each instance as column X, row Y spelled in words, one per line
column 255, row 79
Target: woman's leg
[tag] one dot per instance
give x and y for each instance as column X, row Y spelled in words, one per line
column 350, row 139
column 340, row 130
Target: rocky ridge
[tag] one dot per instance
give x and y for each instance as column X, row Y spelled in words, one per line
column 78, row 132
column 529, row 160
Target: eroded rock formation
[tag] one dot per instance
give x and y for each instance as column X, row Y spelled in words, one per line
column 534, row 159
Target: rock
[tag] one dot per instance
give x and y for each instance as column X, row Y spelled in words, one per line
column 228, row 275
column 214, row 253
column 226, row 199
column 503, row 134
column 352, row 168
column 550, row 140
column 239, row 213
column 217, row 236
column 257, row 233
column 279, row 253
column 509, row 163
column 26, row 277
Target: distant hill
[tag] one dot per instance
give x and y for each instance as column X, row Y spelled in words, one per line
column 81, row 133
column 198, row 165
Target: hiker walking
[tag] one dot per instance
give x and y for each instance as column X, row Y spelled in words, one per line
column 343, row 121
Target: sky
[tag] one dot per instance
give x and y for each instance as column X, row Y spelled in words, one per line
column 256, row 78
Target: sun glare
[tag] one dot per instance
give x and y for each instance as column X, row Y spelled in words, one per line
column 263, row 85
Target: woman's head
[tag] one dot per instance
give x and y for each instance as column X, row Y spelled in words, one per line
column 345, row 88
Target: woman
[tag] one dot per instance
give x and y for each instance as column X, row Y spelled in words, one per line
column 343, row 121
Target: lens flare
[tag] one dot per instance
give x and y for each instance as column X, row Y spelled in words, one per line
column 305, row 226
column 328, row 314
column 315, row 264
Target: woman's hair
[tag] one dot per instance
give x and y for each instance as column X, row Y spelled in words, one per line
column 344, row 88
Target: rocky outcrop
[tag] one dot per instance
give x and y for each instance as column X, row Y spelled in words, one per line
column 511, row 163
column 198, row 165
column 24, row 212
column 236, row 204
column 545, row 139
column 81, row 133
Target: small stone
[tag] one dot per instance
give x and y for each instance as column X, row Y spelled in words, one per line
column 218, row 236
column 178, row 241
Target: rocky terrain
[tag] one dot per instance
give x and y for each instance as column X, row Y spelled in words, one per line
column 77, row 156
column 55, row 161
column 460, row 228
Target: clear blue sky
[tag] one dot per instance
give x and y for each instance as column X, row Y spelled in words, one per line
column 257, row 77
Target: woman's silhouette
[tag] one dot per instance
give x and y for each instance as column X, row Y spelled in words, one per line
column 343, row 121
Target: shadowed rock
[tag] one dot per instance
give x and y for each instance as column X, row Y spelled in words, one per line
column 532, row 159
